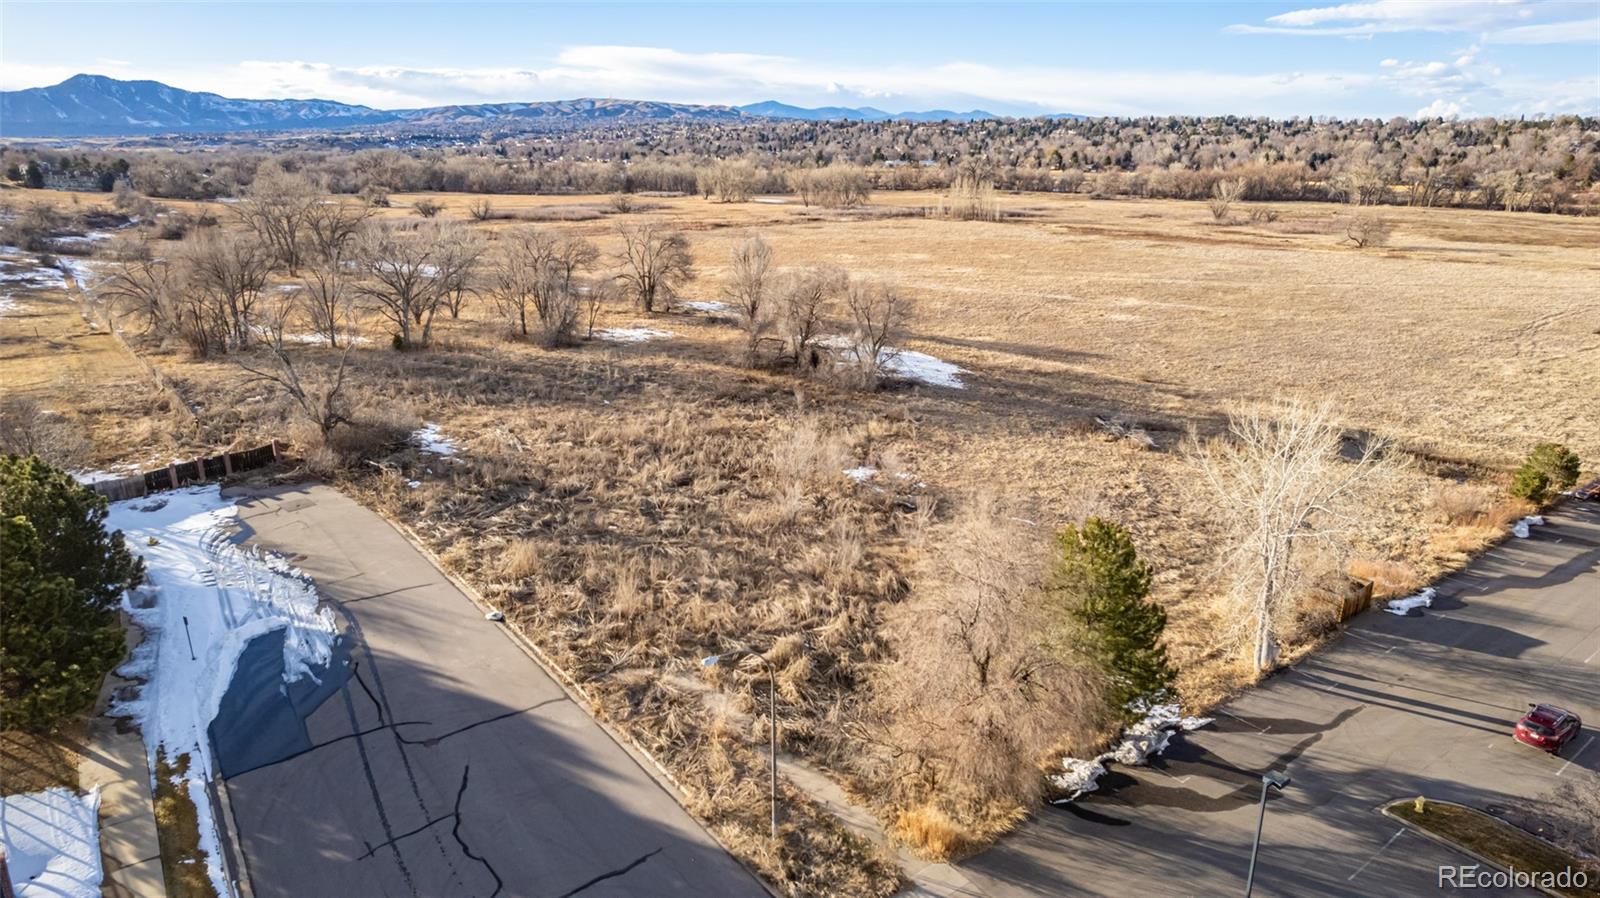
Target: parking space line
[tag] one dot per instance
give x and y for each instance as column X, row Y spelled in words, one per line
column 1591, row 656
column 1397, row 834
column 1575, row 755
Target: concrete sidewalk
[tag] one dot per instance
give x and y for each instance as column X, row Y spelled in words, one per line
column 115, row 760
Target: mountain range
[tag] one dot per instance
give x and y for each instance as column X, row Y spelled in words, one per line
column 95, row 105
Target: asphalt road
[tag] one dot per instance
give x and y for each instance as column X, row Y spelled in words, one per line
column 1399, row 707
column 442, row 761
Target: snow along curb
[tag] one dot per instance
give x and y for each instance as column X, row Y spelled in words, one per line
column 646, row 761
column 1140, row 742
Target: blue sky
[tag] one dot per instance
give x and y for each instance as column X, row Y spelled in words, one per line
column 1379, row 58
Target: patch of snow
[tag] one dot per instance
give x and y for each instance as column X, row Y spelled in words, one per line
column 206, row 591
column 907, row 364
column 423, row 269
column 631, row 334
column 1140, row 742
column 1520, row 528
column 1403, row 607
column 414, row 484
column 706, row 305
column 7, row 303
column 82, row 239
column 30, row 274
column 430, row 439
column 861, row 474
column 88, row 477
column 80, row 272
column 52, row 843
column 494, row 616
column 771, row 200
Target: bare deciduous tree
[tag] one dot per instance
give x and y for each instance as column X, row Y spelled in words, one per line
column 331, row 228
column 276, row 209
column 981, row 688
column 1367, row 230
column 805, row 300
column 326, row 294
column 225, row 274
column 655, row 262
column 407, row 270
column 480, row 210
column 143, row 288
column 538, row 272
column 1223, row 196
column 320, row 398
column 749, row 284
column 427, row 208
column 1280, row 486
column 878, row 314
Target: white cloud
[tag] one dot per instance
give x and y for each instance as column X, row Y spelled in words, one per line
column 1441, row 109
column 1499, row 21
column 1580, row 32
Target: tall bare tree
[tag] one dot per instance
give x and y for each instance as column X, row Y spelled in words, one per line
column 878, row 314
column 537, row 272
column 320, row 397
column 1280, row 484
column 655, row 262
column 225, row 274
column 749, row 285
column 277, row 208
column 331, row 228
column 805, row 301
column 326, row 295
column 406, row 270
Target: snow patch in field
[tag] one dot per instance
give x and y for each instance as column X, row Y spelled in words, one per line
column 430, row 439
column 81, row 273
column 631, row 334
column 1140, row 742
column 88, row 239
column 205, row 591
column 37, row 273
column 771, row 201
column 706, row 305
column 1520, row 528
column 88, row 477
column 7, row 303
column 906, row 363
column 1403, row 607
column 861, row 474
column 52, row 843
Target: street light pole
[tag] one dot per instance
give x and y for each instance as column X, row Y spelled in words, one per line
column 772, row 719
column 1269, row 780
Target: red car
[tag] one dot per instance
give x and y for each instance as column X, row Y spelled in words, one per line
column 1548, row 727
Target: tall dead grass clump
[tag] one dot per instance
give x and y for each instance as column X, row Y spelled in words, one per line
column 521, row 559
column 932, row 834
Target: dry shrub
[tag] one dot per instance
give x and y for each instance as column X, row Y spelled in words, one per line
column 982, row 686
column 932, row 834
column 1463, row 504
column 807, row 453
column 520, row 560
column 28, row 429
column 1389, row 578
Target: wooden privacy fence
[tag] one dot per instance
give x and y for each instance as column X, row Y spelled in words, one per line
column 183, row 473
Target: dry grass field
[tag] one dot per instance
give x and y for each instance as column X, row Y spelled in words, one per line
column 637, row 504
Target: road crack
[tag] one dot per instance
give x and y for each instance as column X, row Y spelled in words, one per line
column 611, row 875
column 455, row 832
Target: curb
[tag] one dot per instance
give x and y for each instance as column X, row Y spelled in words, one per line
column 580, row 697
column 1456, row 846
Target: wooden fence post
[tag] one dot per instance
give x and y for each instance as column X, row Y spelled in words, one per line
column 227, row 464
column 172, row 475
column 275, row 455
column 200, row 469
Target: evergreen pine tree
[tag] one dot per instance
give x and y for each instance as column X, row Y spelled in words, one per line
column 1102, row 588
